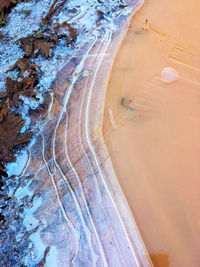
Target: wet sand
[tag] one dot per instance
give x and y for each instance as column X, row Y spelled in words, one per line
column 152, row 129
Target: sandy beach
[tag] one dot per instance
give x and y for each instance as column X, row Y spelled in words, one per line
column 152, row 128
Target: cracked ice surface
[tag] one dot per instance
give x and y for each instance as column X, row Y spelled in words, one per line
column 61, row 212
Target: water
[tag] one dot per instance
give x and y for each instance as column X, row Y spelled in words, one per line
column 154, row 145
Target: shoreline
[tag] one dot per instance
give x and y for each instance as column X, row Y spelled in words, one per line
column 63, row 186
column 107, row 178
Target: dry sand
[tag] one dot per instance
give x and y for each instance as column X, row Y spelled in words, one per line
column 152, row 129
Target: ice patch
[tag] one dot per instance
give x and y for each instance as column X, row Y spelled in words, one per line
column 15, row 168
column 169, row 75
column 51, row 260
